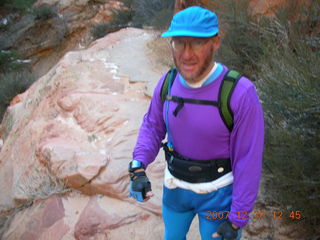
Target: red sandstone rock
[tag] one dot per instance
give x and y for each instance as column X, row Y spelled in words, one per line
column 39, row 220
column 268, row 7
column 94, row 220
column 74, row 130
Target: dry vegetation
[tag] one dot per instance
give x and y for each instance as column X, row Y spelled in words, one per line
column 161, row 49
column 282, row 55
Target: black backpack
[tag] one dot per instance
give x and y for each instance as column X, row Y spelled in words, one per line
column 225, row 92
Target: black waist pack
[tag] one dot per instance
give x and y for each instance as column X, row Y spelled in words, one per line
column 195, row 171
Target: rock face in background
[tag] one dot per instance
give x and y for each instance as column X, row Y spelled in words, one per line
column 257, row 7
column 268, row 7
column 44, row 42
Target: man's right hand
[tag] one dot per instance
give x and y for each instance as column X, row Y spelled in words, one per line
column 140, row 186
column 227, row 231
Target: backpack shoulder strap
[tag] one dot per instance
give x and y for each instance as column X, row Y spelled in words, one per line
column 171, row 74
column 227, row 86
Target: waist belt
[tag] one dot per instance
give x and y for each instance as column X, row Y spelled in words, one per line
column 195, row 171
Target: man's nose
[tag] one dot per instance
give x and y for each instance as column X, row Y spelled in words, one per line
column 187, row 51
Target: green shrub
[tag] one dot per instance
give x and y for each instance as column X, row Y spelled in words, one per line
column 161, row 20
column 9, row 61
column 99, row 1
column 44, row 12
column 282, row 54
column 120, row 19
column 3, row 27
column 244, row 39
column 12, row 84
column 137, row 13
column 100, row 30
column 154, row 13
column 290, row 89
column 17, row 5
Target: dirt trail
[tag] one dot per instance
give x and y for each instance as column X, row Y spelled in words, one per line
column 137, row 61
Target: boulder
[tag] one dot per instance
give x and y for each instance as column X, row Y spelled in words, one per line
column 80, row 217
column 74, row 130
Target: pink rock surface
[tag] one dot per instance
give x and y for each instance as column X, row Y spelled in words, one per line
column 94, row 220
column 43, row 220
column 74, row 130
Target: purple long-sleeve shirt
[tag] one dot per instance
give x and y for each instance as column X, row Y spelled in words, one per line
column 198, row 132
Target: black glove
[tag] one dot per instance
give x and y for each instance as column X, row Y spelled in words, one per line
column 139, row 186
column 226, row 231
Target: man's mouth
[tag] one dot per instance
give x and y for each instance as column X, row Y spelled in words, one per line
column 188, row 66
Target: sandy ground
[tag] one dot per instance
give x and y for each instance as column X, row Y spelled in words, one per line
column 136, row 60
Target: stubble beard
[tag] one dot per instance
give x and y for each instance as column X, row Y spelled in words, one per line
column 199, row 74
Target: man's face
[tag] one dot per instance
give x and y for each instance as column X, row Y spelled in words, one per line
column 193, row 56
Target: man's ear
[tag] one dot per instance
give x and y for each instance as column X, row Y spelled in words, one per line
column 216, row 42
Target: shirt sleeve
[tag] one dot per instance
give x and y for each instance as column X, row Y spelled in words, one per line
column 246, row 146
column 152, row 130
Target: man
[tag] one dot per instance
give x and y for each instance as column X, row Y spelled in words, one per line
column 214, row 168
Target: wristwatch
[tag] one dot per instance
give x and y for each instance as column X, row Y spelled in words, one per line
column 134, row 165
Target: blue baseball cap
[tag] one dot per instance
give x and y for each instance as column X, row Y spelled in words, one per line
column 193, row 22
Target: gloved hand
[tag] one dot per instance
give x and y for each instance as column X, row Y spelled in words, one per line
column 226, row 231
column 140, row 186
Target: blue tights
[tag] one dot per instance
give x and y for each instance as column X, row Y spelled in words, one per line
column 180, row 206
